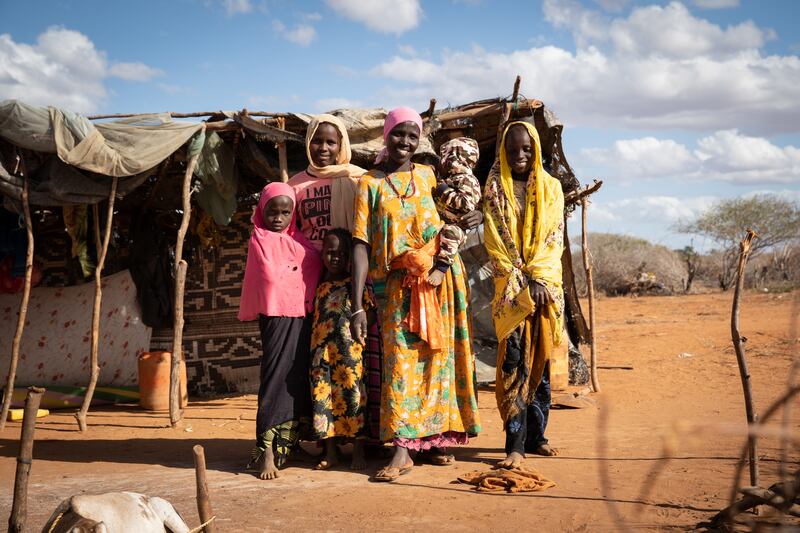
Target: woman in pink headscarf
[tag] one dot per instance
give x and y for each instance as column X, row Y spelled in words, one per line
column 282, row 272
column 428, row 393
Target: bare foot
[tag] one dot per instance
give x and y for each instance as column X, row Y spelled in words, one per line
column 435, row 277
column 331, row 458
column 546, row 450
column 268, row 468
column 512, row 460
column 358, row 462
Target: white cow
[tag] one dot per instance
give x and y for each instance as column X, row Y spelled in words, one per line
column 115, row 512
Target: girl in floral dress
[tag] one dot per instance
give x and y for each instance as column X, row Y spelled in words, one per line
column 338, row 389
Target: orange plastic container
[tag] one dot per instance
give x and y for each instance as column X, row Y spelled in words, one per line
column 154, row 370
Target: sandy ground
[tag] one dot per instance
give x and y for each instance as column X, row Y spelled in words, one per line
column 623, row 438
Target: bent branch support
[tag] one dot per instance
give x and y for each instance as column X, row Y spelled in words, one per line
column 23, row 308
column 587, row 265
column 80, row 416
column 738, row 346
column 175, row 411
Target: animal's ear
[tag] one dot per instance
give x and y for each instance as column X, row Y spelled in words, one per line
column 62, row 508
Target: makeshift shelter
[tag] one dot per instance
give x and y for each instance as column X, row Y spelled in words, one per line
column 70, row 162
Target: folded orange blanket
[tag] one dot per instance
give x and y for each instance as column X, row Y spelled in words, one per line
column 520, row 479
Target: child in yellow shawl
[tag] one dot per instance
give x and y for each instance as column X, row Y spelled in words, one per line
column 523, row 229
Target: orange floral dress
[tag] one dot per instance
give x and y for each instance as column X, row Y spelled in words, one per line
column 424, row 393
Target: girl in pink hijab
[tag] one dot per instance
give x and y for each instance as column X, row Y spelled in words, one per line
column 280, row 279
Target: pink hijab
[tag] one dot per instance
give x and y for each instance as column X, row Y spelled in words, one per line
column 282, row 270
column 393, row 118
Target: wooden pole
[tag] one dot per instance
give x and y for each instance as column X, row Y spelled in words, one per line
column 80, row 416
column 587, row 266
column 506, row 114
column 203, row 501
column 431, row 108
column 282, row 163
column 738, row 346
column 175, row 411
column 19, row 507
column 23, row 307
column 196, row 114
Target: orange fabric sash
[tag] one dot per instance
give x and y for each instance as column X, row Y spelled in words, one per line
column 425, row 316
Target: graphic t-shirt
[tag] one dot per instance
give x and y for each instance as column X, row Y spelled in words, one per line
column 313, row 206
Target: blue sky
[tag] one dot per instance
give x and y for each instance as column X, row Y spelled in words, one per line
column 673, row 104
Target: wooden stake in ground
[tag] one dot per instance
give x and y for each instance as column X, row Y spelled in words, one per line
column 587, row 265
column 19, row 508
column 80, row 416
column 284, row 167
column 506, row 114
column 175, row 411
column 203, row 502
column 23, row 308
column 738, row 346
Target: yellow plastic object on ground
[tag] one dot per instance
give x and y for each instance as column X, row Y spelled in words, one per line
column 16, row 414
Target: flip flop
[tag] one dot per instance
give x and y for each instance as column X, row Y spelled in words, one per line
column 392, row 473
column 437, row 459
column 326, row 465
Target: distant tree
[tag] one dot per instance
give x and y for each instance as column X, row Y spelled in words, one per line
column 775, row 220
column 692, row 260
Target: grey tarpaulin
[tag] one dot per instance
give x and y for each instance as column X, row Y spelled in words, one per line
column 87, row 153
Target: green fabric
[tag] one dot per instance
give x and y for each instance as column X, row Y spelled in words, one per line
column 218, row 178
column 281, row 438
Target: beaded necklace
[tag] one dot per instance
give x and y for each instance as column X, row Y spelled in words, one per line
column 403, row 197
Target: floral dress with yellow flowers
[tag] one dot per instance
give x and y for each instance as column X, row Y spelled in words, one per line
column 338, row 390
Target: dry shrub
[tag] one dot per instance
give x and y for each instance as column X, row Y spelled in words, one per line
column 619, row 261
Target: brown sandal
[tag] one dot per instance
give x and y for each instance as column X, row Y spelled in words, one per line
column 392, row 473
column 437, row 459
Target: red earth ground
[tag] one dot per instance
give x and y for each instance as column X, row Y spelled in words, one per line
column 684, row 392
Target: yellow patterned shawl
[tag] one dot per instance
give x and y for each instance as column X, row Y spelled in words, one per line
column 535, row 254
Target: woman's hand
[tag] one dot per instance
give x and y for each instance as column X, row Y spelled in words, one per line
column 358, row 327
column 541, row 296
column 471, row 220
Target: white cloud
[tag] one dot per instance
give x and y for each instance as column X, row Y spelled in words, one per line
column 624, row 72
column 646, row 157
column 63, row 68
column 344, row 71
column 725, row 155
column 311, row 17
column 666, row 209
column 384, row 16
column 679, row 33
column 134, row 71
column 407, row 50
column 612, row 5
column 301, row 34
column 236, row 7
column 329, row 104
column 715, row 4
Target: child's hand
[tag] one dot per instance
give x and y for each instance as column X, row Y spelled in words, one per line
column 435, row 277
column 471, row 220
